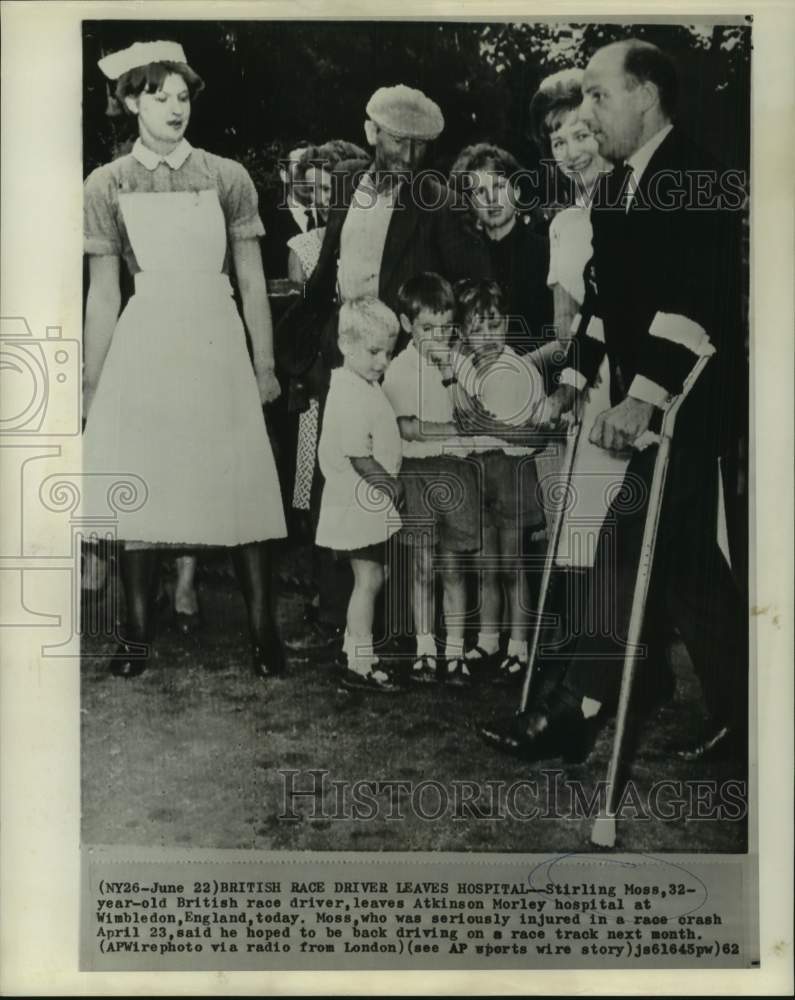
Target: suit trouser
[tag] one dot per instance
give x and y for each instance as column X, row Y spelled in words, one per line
column 691, row 588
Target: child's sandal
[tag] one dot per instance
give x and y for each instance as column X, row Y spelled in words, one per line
column 511, row 670
column 423, row 670
column 375, row 679
column 457, row 673
column 481, row 662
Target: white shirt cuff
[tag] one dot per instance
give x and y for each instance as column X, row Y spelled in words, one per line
column 643, row 388
column 569, row 376
column 595, row 329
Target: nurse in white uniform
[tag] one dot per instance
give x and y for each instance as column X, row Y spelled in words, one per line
column 169, row 389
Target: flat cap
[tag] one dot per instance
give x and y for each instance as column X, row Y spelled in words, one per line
column 405, row 113
column 140, row 54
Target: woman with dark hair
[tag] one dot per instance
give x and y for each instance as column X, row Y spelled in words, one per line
column 168, row 386
column 312, row 174
column 488, row 179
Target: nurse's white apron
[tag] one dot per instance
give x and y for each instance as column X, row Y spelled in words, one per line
column 177, row 403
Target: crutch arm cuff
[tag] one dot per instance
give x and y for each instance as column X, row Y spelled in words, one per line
column 680, row 329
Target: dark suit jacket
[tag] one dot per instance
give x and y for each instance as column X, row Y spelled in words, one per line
column 663, row 277
column 426, row 233
column 520, row 263
column 280, row 226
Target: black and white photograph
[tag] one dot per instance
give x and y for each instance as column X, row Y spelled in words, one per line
column 397, row 537
column 430, row 376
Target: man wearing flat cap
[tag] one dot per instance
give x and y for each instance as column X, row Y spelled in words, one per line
column 389, row 220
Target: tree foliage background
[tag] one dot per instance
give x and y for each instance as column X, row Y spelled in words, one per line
column 272, row 83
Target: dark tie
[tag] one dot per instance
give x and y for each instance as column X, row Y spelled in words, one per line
column 310, row 219
column 620, row 183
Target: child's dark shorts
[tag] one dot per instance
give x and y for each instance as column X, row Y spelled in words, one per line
column 509, row 490
column 442, row 502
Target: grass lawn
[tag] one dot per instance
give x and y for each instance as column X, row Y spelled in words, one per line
column 189, row 753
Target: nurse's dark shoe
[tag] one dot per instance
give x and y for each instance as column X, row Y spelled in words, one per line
column 129, row 660
column 267, row 657
column 187, row 624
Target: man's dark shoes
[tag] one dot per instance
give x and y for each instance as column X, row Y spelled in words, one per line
column 129, row 660
column 556, row 728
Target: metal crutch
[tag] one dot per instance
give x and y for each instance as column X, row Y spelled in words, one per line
column 603, row 833
column 549, row 563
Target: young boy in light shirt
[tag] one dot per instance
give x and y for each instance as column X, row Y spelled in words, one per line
column 441, row 512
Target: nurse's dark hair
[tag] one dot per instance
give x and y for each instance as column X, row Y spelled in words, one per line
column 556, row 96
column 646, row 63
column 150, row 79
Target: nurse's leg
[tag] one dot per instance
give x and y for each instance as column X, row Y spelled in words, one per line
column 252, row 568
column 139, row 574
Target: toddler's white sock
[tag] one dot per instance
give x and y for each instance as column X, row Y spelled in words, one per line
column 426, row 644
column 359, row 652
column 489, row 642
column 454, row 647
column 518, row 648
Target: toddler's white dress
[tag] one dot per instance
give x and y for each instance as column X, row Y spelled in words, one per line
column 358, row 421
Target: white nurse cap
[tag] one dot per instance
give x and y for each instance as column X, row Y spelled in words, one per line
column 140, row 54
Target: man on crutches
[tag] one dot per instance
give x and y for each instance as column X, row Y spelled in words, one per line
column 662, row 292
